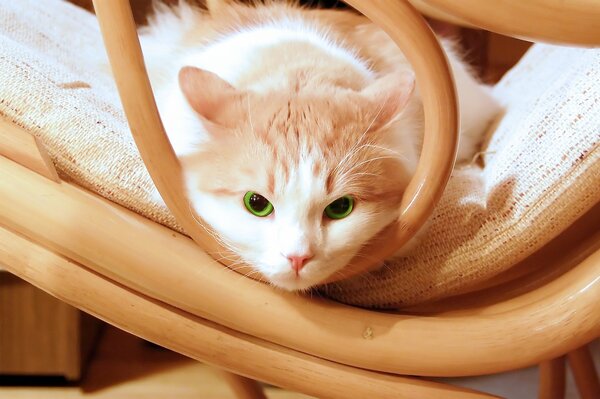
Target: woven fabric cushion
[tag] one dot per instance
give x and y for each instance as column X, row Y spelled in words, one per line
column 48, row 86
column 541, row 173
column 541, row 168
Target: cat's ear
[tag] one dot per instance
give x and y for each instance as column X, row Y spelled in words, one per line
column 389, row 95
column 208, row 94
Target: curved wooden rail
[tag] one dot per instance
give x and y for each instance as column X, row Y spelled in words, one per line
column 127, row 63
column 435, row 84
column 427, row 9
column 130, row 249
column 572, row 22
column 204, row 340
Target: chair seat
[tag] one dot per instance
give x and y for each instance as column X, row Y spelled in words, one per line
column 540, row 173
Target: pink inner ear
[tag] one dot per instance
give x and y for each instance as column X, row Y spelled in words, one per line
column 390, row 94
column 207, row 93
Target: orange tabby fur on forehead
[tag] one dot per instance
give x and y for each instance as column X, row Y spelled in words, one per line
column 266, row 137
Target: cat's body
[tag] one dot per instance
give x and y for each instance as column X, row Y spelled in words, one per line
column 304, row 107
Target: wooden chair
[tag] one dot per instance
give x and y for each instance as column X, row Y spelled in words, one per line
column 162, row 286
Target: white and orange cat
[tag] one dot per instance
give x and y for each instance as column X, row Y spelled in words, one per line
column 298, row 130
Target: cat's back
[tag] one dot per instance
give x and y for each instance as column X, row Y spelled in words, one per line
column 249, row 46
column 187, row 25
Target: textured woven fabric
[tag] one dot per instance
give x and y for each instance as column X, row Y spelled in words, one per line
column 541, row 173
column 47, row 87
column 541, row 168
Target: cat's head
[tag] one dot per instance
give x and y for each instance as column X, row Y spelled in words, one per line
column 295, row 183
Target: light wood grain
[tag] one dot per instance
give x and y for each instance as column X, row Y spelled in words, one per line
column 154, row 260
column 584, row 372
column 435, row 84
column 552, row 379
column 204, row 340
column 572, row 22
column 23, row 147
column 436, row 13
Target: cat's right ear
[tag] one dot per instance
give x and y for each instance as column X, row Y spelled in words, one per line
column 390, row 93
column 209, row 95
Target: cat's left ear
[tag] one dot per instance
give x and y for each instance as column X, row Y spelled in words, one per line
column 390, row 95
column 209, row 95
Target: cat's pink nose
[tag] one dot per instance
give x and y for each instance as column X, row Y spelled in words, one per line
column 299, row 261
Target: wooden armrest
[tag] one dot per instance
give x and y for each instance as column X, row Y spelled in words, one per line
column 572, row 22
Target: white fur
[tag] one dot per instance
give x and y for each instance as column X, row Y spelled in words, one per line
column 298, row 226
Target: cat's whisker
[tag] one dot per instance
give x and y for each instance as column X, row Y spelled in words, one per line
column 351, row 152
column 362, row 276
column 233, row 263
column 237, row 270
column 379, row 147
column 350, row 171
column 355, row 147
column 369, row 161
column 227, row 245
column 374, row 159
column 343, row 275
column 376, row 116
column 230, row 261
column 349, row 158
column 352, row 168
column 365, row 174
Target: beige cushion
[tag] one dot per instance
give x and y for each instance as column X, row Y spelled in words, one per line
column 541, row 173
column 541, row 169
column 47, row 86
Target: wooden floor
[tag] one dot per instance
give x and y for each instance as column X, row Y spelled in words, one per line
column 125, row 367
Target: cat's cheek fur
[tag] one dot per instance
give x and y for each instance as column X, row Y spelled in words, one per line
column 342, row 241
column 178, row 116
column 238, row 230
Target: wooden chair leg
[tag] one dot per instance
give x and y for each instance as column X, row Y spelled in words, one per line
column 552, row 379
column 584, row 372
column 242, row 387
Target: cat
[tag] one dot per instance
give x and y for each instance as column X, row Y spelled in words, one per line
column 297, row 129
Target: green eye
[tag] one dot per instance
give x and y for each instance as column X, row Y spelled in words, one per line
column 257, row 204
column 340, row 208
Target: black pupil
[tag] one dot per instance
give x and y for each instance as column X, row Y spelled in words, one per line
column 340, row 206
column 258, row 202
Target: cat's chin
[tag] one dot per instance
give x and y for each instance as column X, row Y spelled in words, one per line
column 293, row 283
